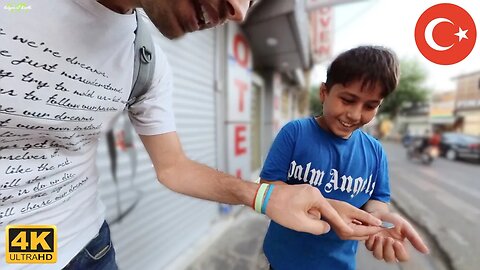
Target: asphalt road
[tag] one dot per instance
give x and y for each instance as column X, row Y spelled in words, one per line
column 443, row 199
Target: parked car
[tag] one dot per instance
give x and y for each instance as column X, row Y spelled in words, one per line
column 458, row 145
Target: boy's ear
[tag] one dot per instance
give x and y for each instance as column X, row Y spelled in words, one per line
column 323, row 92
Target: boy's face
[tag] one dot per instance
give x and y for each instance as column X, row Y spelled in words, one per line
column 346, row 108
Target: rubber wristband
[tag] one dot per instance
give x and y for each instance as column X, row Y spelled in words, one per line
column 255, row 197
column 260, row 196
column 267, row 197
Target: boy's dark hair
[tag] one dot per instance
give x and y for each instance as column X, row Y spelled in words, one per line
column 369, row 64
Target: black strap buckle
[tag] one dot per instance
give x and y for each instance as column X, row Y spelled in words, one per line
column 146, row 55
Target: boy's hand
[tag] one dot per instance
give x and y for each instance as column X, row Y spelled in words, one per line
column 362, row 223
column 290, row 206
column 389, row 245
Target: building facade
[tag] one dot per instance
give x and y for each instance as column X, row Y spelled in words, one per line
column 467, row 103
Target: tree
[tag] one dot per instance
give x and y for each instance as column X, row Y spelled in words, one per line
column 410, row 88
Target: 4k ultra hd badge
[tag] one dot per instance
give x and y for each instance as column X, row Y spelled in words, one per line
column 31, row 244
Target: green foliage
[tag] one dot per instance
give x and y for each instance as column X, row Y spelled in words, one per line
column 410, row 88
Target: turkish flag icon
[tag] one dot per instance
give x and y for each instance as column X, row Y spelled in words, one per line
column 445, row 34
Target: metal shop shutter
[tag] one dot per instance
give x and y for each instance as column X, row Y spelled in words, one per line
column 256, row 126
column 164, row 224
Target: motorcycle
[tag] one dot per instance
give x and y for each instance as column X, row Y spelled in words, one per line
column 426, row 155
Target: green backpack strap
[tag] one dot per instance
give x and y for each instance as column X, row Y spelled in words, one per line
column 144, row 65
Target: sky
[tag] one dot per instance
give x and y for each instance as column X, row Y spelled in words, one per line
column 391, row 23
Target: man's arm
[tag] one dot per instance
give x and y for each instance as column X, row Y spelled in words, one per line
column 180, row 174
column 288, row 205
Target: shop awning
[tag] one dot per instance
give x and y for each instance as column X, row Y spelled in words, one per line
column 446, row 120
column 278, row 34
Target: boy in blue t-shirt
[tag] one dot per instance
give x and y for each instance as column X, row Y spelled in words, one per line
column 348, row 166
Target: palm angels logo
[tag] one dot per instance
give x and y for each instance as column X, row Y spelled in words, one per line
column 445, row 34
column 343, row 183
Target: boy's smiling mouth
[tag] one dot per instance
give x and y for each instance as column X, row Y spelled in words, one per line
column 345, row 124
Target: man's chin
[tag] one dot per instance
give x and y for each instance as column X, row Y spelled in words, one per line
column 170, row 30
column 171, row 34
column 174, row 36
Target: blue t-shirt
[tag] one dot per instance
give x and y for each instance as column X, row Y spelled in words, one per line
column 353, row 170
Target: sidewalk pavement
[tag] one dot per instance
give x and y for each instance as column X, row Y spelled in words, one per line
column 239, row 247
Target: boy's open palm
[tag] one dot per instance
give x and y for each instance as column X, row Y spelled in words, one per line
column 390, row 245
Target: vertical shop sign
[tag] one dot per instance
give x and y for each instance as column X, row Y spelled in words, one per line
column 239, row 95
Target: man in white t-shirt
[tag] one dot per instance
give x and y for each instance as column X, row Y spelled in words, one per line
column 65, row 73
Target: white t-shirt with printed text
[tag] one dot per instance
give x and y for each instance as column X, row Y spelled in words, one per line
column 65, row 73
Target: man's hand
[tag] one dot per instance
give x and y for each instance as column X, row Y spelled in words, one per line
column 362, row 223
column 289, row 206
column 389, row 245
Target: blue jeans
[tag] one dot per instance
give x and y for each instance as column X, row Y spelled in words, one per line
column 98, row 254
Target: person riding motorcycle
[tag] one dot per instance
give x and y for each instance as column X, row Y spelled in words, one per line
column 426, row 147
